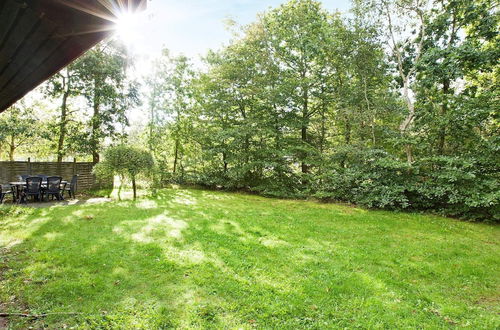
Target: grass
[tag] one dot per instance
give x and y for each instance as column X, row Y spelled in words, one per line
column 203, row 259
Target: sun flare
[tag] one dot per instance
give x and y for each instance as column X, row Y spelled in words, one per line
column 127, row 26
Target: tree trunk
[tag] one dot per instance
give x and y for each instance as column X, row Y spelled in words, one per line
column 182, row 170
column 408, row 121
column 406, row 125
column 176, row 154
column 444, row 109
column 134, row 187
column 409, row 153
column 95, row 127
column 374, row 141
column 12, row 148
column 372, row 126
column 446, row 89
column 152, row 122
column 246, row 145
column 277, row 136
column 304, row 166
column 62, row 126
column 224, row 161
column 305, row 124
column 322, row 137
column 120, row 188
column 347, row 138
column 347, row 133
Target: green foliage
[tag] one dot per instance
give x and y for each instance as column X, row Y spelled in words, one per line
column 18, row 128
column 462, row 44
column 372, row 178
column 125, row 161
column 170, row 107
column 304, row 102
column 462, row 187
column 459, row 186
column 103, row 82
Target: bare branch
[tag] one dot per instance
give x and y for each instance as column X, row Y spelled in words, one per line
column 36, row 316
column 395, row 48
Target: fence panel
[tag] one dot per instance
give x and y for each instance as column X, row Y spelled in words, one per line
column 10, row 171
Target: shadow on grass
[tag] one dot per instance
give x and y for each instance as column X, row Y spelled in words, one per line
column 191, row 258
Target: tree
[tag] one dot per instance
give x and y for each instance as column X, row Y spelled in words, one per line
column 229, row 120
column 297, row 38
column 170, row 106
column 18, row 126
column 177, row 104
column 155, row 96
column 280, row 92
column 394, row 110
column 461, row 42
column 103, row 82
column 63, row 85
column 405, row 24
column 127, row 162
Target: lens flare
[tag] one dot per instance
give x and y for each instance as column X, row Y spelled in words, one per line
column 127, row 25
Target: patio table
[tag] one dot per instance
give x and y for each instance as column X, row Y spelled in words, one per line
column 19, row 184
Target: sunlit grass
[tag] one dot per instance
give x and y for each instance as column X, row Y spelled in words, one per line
column 202, row 259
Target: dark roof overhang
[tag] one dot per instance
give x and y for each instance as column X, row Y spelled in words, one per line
column 40, row 37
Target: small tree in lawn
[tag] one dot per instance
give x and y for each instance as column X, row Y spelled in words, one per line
column 127, row 162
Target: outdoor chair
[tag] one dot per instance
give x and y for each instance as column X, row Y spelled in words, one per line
column 23, row 177
column 43, row 176
column 6, row 190
column 53, row 187
column 33, row 188
column 71, row 189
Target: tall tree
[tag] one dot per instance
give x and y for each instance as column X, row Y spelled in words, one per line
column 297, row 35
column 177, row 105
column 63, row 86
column 405, row 24
column 272, row 99
column 103, row 82
column 461, row 39
column 170, row 104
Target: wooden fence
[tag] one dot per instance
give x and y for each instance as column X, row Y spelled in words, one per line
column 10, row 171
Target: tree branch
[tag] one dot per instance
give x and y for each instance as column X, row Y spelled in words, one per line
column 36, row 316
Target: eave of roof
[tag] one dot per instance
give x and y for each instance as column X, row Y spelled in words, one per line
column 40, row 37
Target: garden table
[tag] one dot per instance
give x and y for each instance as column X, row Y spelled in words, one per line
column 19, row 184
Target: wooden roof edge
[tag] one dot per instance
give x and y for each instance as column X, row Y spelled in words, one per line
column 84, row 46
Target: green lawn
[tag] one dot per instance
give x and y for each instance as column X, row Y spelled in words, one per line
column 203, row 259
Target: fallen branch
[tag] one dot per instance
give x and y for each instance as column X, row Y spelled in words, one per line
column 35, row 316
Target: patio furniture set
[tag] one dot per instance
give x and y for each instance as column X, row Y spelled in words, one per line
column 38, row 187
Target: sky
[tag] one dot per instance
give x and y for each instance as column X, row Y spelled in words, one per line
column 192, row 27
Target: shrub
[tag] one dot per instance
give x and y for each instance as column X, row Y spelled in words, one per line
column 464, row 187
column 125, row 161
column 370, row 178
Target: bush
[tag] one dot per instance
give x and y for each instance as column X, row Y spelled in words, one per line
column 371, row 178
column 467, row 187
column 125, row 161
column 280, row 182
column 461, row 187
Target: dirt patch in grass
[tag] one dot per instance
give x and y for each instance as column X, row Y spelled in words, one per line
column 490, row 302
column 4, row 323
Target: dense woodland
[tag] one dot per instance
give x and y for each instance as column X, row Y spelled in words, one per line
column 394, row 105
